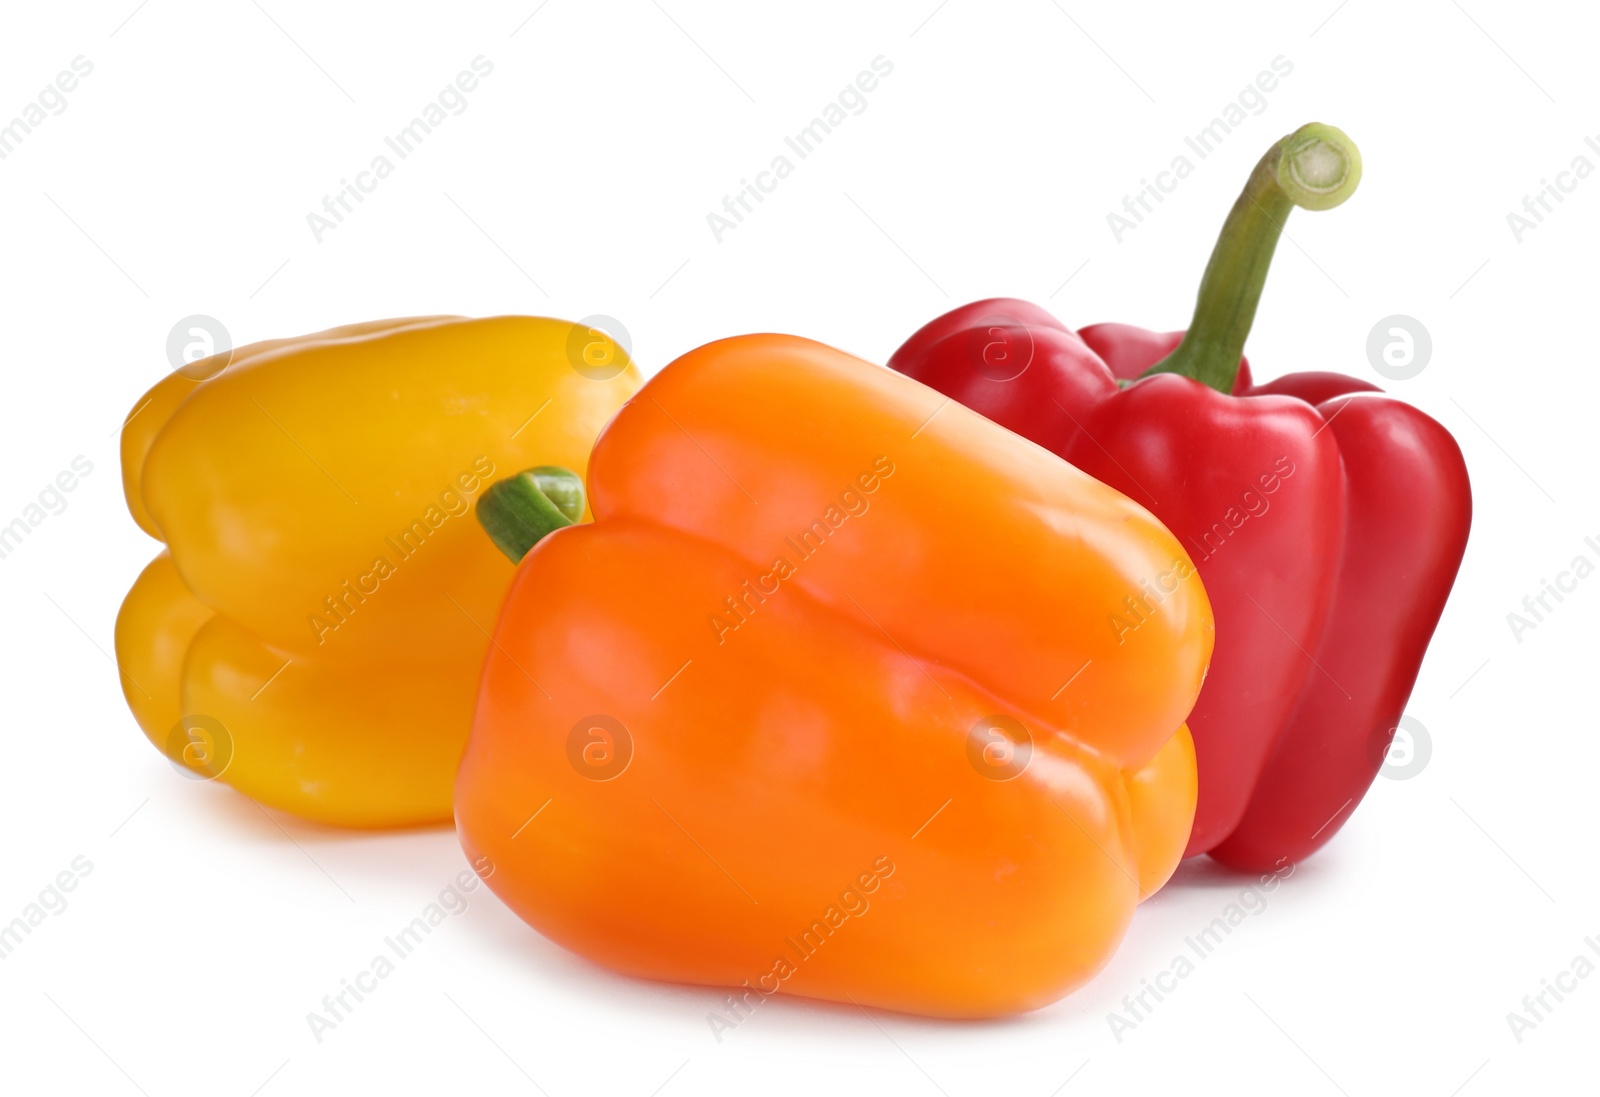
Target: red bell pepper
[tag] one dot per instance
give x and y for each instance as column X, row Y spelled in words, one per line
column 1327, row 521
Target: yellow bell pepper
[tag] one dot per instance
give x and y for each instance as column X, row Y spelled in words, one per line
column 313, row 633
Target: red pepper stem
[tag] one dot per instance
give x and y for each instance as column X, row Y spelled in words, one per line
column 519, row 510
column 1316, row 167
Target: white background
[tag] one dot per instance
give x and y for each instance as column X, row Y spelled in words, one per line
column 578, row 181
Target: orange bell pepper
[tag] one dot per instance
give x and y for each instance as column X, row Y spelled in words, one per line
column 829, row 699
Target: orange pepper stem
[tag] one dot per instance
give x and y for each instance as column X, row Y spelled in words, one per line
column 1316, row 167
column 517, row 511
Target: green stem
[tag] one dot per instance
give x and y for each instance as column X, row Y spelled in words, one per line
column 518, row 511
column 1316, row 167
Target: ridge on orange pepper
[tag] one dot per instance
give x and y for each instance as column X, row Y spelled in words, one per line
column 829, row 699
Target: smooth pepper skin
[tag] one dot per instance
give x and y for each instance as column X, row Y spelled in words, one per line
column 811, row 588
column 313, row 631
column 1327, row 522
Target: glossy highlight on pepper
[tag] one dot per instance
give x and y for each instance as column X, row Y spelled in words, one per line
column 824, row 701
column 313, row 630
